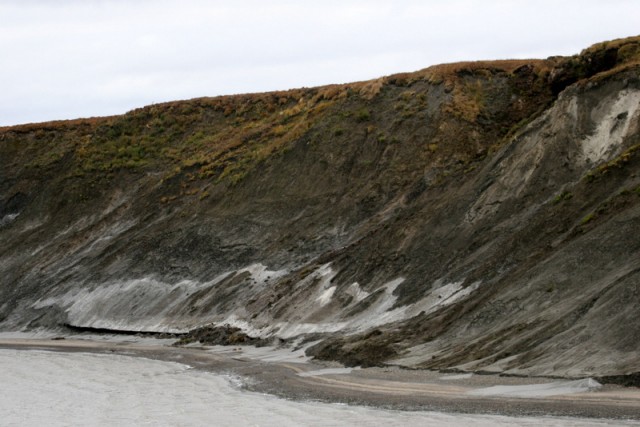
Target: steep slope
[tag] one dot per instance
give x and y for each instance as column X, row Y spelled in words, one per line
column 482, row 216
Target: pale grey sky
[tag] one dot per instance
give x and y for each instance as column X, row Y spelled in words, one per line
column 63, row 59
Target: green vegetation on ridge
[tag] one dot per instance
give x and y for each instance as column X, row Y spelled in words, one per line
column 223, row 139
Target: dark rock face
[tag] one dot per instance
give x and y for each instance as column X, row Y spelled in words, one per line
column 478, row 216
column 629, row 380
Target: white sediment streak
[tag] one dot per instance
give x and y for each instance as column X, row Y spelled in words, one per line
column 378, row 313
column 8, row 218
column 613, row 127
column 456, row 377
column 326, row 295
column 327, row 371
column 540, row 390
column 261, row 274
column 147, row 304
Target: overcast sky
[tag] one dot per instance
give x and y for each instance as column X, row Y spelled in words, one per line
column 63, row 59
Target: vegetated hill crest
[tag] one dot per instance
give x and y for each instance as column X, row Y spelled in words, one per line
column 478, row 216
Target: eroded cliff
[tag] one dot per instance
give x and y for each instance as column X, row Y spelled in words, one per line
column 482, row 216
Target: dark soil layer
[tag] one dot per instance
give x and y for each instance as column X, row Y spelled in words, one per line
column 629, row 380
column 221, row 335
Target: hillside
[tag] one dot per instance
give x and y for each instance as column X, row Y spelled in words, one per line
column 481, row 216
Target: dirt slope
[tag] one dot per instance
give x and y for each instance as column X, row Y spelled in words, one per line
column 483, row 216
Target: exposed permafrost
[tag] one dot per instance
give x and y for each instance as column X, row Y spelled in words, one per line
column 325, row 296
column 613, row 126
column 145, row 304
column 261, row 274
column 356, row 292
column 378, row 313
column 440, row 296
column 133, row 305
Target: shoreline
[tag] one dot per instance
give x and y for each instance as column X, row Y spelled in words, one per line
column 277, row 372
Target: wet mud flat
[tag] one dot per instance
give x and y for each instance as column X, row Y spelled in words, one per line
column 291, row 375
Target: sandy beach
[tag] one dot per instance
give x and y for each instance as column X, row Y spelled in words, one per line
column 291, row 375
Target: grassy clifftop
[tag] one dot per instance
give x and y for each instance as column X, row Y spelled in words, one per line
column 209, row 142
column 224, row 138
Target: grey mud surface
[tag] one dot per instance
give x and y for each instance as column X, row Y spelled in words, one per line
column 389, row 387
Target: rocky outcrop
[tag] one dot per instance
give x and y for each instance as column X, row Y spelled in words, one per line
column 220, row 335
column 474, row 216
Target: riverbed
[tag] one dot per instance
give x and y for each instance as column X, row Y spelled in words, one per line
column 104, row 383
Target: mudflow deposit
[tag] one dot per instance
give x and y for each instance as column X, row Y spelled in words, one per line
column 480, row 216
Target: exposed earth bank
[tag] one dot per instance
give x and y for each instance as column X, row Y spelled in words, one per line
column 481, row 217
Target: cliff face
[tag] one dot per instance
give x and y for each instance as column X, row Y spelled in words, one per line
column 483, row 216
